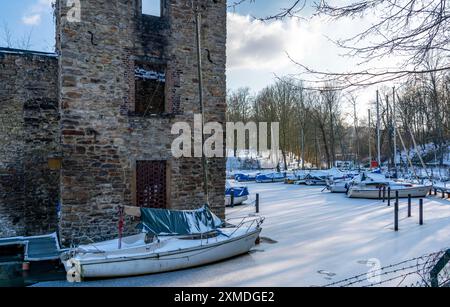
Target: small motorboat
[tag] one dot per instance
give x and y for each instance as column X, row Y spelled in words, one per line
column 294, row 177
column 315, row 178
column 370, row 186
column 270, row 177
column 171, row 240
column 245, row 177
column 240, row 194
column 339, row 186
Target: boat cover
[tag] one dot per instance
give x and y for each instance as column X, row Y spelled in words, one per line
column 170, row 222
column 237, row 191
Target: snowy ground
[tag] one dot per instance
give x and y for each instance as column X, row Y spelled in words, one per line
column 320, row 238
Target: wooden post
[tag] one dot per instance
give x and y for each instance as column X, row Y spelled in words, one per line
column 396, row 211
column 389, row 196
column 232, row 198
column 384, row 194
column 202, row 106
column 421, row 212
column 257, row 203
column 379, row 193
column 443, row 193
column 409, row 205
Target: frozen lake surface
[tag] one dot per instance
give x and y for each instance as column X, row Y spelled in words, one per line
column 313, row 239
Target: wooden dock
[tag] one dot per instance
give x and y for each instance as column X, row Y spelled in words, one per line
column 39, row 248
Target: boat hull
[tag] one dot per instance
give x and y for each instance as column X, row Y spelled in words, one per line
column 270, row 180
column 237, row 200
column 338, row 188
column 403, row 193
column 162, row 262
column 312, row 182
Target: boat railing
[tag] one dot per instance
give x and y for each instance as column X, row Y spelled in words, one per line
column 258, row 220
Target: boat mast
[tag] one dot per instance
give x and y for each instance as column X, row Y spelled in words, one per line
column 388, row 128
column 303, row 149
column 202, row 107
column 370, row 140
column 394, row 119
column 378, row 131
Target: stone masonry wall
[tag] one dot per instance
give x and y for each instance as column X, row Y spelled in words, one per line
column 29, row 125
column 102, row 138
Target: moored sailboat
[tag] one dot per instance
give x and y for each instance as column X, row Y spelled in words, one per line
column 171, row 240
column 371, row 187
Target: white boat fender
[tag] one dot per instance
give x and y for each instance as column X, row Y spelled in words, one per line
column 74, row 274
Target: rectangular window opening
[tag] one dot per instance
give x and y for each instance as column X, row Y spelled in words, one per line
column 150, row 89
column 151, row 7
column 151, row 189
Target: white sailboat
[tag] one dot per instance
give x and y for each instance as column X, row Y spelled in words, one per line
column 171, row 240
column 369, row 186
column 180, row 240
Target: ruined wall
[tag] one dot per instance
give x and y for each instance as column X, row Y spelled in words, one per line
column 29, row 125
column 102, row 137
column 173, row 40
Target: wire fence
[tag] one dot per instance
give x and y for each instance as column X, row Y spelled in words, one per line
column 414, row 272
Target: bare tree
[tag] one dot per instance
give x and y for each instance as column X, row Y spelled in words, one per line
column 7, row 37
column 411, row 29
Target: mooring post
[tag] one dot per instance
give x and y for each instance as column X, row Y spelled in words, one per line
column 232, row 198
column 384, row 194
column 421, row 211
column 379, row 193
column 409, row 205
column 396, row 211
column 389, row 196
column 257, row 203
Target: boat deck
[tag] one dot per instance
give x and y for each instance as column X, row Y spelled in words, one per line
column 40, row 248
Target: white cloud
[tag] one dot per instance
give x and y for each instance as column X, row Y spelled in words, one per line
column 258, row 50
column 32, row 20
column 33, row 16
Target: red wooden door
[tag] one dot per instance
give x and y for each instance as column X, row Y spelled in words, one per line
column 151, row 184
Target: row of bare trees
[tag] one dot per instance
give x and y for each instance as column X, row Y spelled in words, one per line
column 323, row 122
column 327, row 125
column 8, row 39
column 310, row 122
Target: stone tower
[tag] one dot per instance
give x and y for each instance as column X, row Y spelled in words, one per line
column 124, row 79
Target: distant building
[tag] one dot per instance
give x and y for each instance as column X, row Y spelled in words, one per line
column 344, row 164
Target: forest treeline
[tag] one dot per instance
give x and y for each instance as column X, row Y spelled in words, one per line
column 326, row 125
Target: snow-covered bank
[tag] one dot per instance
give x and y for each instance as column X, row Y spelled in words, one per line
column 320, row 238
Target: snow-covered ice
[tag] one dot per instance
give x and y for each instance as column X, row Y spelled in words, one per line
column 313, row 238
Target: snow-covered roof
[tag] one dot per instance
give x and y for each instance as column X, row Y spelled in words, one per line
column 27, row 52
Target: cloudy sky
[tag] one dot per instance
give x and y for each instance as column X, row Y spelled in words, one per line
column 256, row 50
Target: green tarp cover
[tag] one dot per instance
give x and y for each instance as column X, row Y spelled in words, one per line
column 168, row 222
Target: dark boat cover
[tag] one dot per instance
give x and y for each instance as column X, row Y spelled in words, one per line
column 171, row 222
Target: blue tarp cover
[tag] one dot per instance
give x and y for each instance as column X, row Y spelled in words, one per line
column 169, row 222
